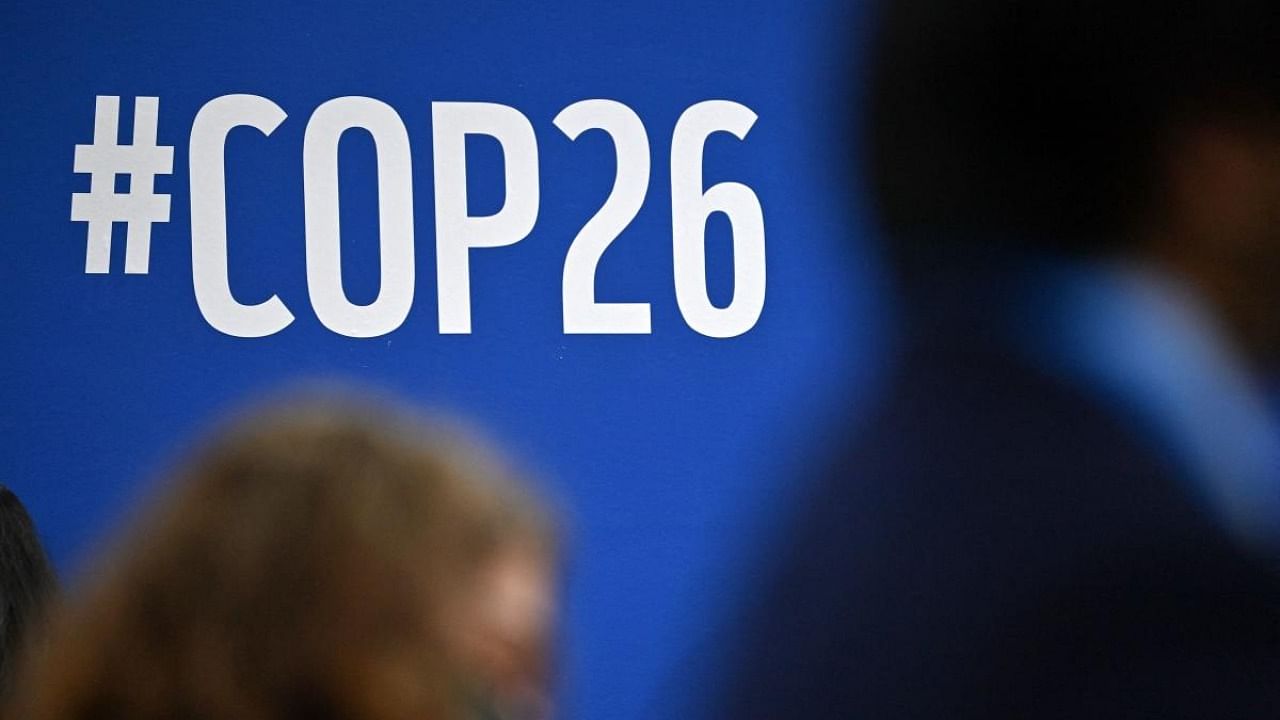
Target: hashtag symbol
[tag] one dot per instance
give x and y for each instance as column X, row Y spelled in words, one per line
column 141, row 205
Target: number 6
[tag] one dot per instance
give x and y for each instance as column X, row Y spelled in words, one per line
column 690, row 208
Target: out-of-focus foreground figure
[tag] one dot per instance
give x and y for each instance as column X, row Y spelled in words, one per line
column 316, row 561
column 27, row 585
column 1067, row 503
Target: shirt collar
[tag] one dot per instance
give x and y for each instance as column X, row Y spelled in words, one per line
column 1150, row 344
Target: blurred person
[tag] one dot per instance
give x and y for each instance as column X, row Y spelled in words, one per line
column 27, row 585
column 1066, row 502
column 503, row 627
column 315, row 561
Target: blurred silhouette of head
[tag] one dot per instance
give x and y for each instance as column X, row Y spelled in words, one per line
column 314, row 561
column 1081, row 127
column 27, row 584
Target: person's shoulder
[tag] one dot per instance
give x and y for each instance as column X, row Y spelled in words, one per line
column 979, row 409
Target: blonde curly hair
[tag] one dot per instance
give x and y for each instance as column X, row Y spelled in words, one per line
column 299, row 567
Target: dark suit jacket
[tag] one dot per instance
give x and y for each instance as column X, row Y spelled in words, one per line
column 993, row 543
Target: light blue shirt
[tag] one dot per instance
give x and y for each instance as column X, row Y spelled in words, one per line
column 1150, row 343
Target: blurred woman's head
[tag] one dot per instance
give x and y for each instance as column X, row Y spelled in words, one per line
column 309, row 563
column 27, row 584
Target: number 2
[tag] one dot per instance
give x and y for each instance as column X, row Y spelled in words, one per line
column 582, row 314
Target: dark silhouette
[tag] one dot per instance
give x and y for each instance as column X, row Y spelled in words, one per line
column 1067, row 499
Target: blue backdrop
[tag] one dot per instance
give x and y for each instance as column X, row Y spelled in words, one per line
column 673, row 453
